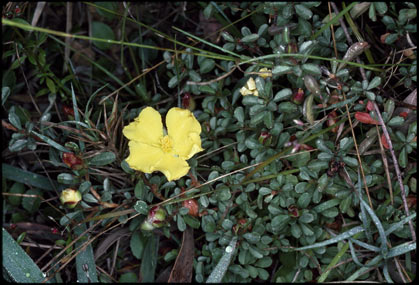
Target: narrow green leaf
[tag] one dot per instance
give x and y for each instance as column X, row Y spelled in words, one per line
column 17, row 264
column 401, row 249
column 51, row 142
column 150, row 255
column 137, row 244
column 220, row 270
column 29, row 178
column 335, row 239
column 85, row 259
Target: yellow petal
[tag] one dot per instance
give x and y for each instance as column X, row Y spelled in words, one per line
column 251, row 85
column 184, row 131
column 244, row 91
column 144, row 157
column 265, row 72
column 172, row 167
column 146, row 128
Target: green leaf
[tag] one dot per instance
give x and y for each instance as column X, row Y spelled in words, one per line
column 29, row 178
column 5, row 92
column 17, row 188
column 103, row 158
column 375, row 82
column 227, row 37
column 326, row 205
column 17, row 145
column 401, row 249
column 381, row 7
column 181, row 225
column 191, row 221
column 141, row 207
column 67, row 178
column 287, row 107
column 239, row 114
column 18, row 266
column 330, row 213
column 264, row 262
column 308, row 109
column 51, row 85
column 14, row 119
column 396, row 121
column 306, row 218
column 137, row 243
column 206, row 65
column 113, row 6
column 102, row 31
column 150, row 254
column 268, row 120
column 391, row 38
column 303, row 11
column 250, row 38
column 221, row 268
column 304, row 200
column 403, row 158
column 281, row 69
column 129, row 277
column 85, row 259
column 51, row 142
column 351, row 161
column 311, row 69
column 278, row 222
column 283, row 95
column 31, row 204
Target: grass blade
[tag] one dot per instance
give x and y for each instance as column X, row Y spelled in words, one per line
column 51, row 142
column 335, row 239
column 220, row 270
column 149, row 264
column 85, row 259
column 17, row 264
column 29, row 178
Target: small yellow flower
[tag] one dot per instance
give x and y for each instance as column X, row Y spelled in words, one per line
column 265, row 73
column 151, row 149
column 249, row 88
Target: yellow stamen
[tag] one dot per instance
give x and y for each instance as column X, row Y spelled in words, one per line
column 166, row 144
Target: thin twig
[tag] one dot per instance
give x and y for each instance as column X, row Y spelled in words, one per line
column 357, row 153
column 396, row 167
column 26, row 81
column 214, row 80
column 385, row 162
column 348, row 38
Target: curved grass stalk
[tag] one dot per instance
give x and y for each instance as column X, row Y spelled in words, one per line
column 312, row 57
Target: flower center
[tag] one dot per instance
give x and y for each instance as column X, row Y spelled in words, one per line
column 166, row 144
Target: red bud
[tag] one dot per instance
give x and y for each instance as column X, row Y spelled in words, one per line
column 384, row 141
column 365, row 118
column 193, row 207
column 403, row 114
column 72, row 161
column 298, row 97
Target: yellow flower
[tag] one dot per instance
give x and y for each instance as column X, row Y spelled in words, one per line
column 265, row 73
column 249, row 88
column 151, row 149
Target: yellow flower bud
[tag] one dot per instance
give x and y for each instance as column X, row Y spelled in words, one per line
column 70, row 197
